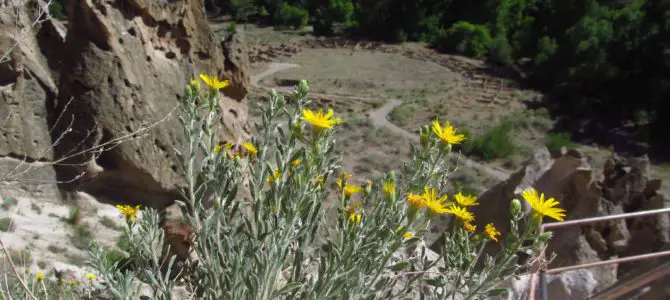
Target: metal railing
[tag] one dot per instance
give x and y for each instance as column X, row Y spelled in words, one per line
column 541, row 274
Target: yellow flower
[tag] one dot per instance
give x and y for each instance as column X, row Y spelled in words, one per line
column 354, row 217
column 389, row 188
column 349, row 190
column 250, row 148
column 491, row 232
column 542, row 207
column 39, row 276
column 469, row 227
column 408, row 235
column 214, row 82
column 296, row 163
column 447, row 134
column 318, row 180
column 432, row 202
column 415, row 200
column 344, row 176
column 464, row 201
column 461, row 213
column 90, row 276
column 129, row 212
column 217, row 148
column 73, row 282
column 319, row 120
column 275, row 176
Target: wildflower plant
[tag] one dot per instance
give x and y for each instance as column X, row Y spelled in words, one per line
column 279, row 242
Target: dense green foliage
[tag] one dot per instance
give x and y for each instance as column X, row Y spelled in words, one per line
column 606, row 56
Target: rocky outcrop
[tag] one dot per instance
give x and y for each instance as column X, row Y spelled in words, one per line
column 126, row 68
column 626, row 186
column 93, row 103
column 27, row 85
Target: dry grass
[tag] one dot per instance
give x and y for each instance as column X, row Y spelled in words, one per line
column 362, row 73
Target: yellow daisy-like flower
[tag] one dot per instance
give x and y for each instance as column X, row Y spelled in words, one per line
column 447, row 134
column 354, row 217
column 129, row 212
column 432, row 202
column 469, row 227
column 275, row 176
column 90, row 276
column 408, row 235
column 389, row 188
column 250, row 148
column 464, row 200
column 416, row 200
column 320, row 120
column 39, row 276
column 349, row 190
column 543, row 207
column 214, row 82
column 296, row 163
column 461, row 213
column 217, row 148
column 492, row 232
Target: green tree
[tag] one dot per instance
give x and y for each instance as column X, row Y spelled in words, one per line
column 292, row 16
column 329, row 14
column 469, row 39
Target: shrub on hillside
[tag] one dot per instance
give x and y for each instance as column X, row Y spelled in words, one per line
column 468, row 39
column 291, row 16
column 494, row 143
column 333, row 15
column 558, row 140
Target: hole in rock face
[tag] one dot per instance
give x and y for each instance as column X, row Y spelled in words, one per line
column 132, row 31
column 107, row 159
column 233, row 112
column 120, row 41
column 170, row 55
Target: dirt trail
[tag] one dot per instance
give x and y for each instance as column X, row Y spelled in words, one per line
column 379, row 118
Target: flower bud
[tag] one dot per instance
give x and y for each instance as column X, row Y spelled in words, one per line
column 424, row 136
column 368, row 187
column 544, row 237
column 273, row 93
column 302, row 86
column 515, row 207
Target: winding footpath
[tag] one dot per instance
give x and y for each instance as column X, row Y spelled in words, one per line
column 379, row 118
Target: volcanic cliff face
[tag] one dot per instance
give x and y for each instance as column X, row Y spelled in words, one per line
column 115, row 73
column 91, row 105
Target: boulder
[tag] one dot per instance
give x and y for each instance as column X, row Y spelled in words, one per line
column 626, row 186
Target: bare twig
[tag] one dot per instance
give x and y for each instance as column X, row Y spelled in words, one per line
column 43, row 10
column 16, row 272
column 98, row 149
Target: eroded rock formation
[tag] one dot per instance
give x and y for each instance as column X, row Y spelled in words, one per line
column 625, row 186
column 114, row 71
column 127, row 65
